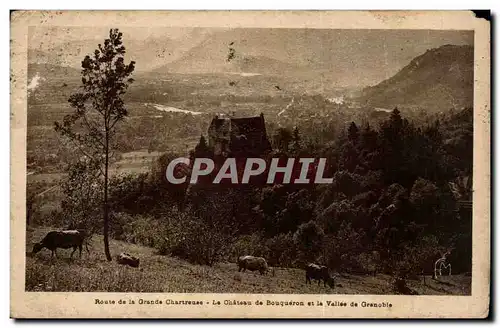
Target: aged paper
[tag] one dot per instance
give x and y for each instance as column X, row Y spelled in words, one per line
column 394, row 223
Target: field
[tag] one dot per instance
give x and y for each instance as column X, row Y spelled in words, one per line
column 92, row 273
column 47, row 185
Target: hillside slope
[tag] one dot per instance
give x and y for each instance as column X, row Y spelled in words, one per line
column 171, row 275
column 203, row 61
column 53, row 72
column 440, row 79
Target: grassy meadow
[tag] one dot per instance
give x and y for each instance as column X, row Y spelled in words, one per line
column 157, row 273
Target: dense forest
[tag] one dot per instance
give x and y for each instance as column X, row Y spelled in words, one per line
column 393, row 205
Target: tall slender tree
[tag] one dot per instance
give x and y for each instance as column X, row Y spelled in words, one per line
column 98, row 107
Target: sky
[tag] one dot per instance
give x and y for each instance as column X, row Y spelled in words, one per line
column 49, row 36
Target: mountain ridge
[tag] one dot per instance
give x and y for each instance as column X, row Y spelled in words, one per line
column 440, row 78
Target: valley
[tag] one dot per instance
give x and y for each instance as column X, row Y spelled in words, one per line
column 390, row 112
column 170, row 106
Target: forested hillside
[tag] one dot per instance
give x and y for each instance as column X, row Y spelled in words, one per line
column 392, row 206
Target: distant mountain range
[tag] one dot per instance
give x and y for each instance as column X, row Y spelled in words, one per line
column 440, row 79
column 302, row 60
column 250, row 65
column 341, row 57
column 437, row 80
column 148, row 53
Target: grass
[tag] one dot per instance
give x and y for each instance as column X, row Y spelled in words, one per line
column 92, row 273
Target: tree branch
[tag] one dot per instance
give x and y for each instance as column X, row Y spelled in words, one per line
column 82, row 151
column 92, row 128
column 117, row 119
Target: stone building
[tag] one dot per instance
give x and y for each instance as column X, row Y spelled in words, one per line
column 238, row 137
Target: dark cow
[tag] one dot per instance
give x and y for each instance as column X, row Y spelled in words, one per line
column 62, row 239
column 252, row 263
column 127, row 259
column 319, row 272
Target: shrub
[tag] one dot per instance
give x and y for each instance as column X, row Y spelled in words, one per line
column 144, row 230
column 203, row 233
column 282, row 250
column 308, row 239
column 337, row 213
column 248, row 245
column 119, row 224
column 347, row 183
column 413, row 259
column 82, row 203
column 201, row 243
column 366, row 263
column 339, row 250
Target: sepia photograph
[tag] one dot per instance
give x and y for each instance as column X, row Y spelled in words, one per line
column 224, row 159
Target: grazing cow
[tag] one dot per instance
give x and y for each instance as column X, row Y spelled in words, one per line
column 62, row 239
column 127, row 259
column 252, row 263
column 319, row 272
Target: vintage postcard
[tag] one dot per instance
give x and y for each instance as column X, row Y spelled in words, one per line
column 250, row 164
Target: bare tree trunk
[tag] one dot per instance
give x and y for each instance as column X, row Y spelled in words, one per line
column 106, row 208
